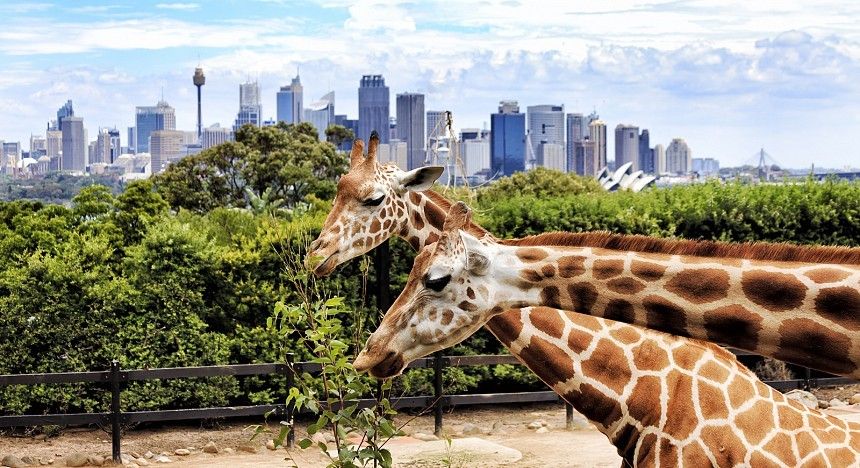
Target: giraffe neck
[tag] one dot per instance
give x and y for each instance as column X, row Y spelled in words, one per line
column 425, row 216
column 664, row 400
column 802, row 313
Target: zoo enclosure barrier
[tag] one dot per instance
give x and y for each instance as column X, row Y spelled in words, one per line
column 115, row 377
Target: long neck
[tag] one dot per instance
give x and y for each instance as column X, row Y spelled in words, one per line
column 808, row 314
column 425, row 216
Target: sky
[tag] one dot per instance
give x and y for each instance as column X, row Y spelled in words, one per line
column 730, row 77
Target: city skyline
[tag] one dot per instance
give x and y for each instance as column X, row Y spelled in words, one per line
column 725, row 77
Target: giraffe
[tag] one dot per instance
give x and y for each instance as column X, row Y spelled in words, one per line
column 661, row 399
column 375, row 202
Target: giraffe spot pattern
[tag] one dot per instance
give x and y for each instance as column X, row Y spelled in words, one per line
column 447, row 317
column 531, row 276
column 647, row 271
column 605, row 269
column 468, row 306
column 649, row 355
column 712, row 402
column 548, row 271
column 608, row 364
column 777, row 292
column 506, row 327
column 571, row 266
column 548, row 321
column 841, row 305
column 619, row 310
column 603, row 410
column 826, row 275
column 801, row 339
column 582, row 296
column 733, row 325
column 470, row 293
column 560, row 367
column 531, row 254
column 625, row 335
column 664, row 316
column 646, row 387
column 681, row 405
column 417, row 220
column 374, row 226
column 550, row 297
column 700, row 285
column 780, row 445
column 625, row 285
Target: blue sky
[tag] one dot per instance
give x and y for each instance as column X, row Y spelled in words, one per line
column 728, row 76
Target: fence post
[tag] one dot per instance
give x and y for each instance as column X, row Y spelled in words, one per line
column 291, row 382
column 568, row 410
column 382, row 265
column 807, row 375
column 115, row 415
column 437, row 393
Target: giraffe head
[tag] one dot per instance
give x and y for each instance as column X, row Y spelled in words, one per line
column 442, row 304
column 370, row 206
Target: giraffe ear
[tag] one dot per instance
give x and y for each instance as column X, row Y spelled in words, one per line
column 357, row 155
column 458, row 217
column 371, row 147
column 422, row 178
column 477, row 257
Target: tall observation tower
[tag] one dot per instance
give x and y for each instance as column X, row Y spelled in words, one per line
column 199, row 81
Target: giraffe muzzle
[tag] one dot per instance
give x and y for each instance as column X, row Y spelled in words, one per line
column 390, row 365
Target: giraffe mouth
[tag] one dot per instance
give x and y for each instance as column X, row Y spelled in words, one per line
column 391, row 365
column 325, row 267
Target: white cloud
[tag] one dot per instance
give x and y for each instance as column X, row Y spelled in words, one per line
column 178, row 6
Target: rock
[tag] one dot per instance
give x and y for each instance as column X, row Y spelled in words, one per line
column 855, row 399
column 14, row 462
column 96, row 460
column 823, row 404
column 270, row 444
column 142, row 461
column 248, row 448
column 541, row 430
column 534, row 425
column 162, row 459
column 51, row 461
column 318, row 438
column 424, row 437
column 43, row 461
column 134, row 454
column 182, row 452
column 471, row 429
column 229, row 451
column 210, row 447
column 77, row 459
column 148, row 455
column 803, row 397
column 836, row 402
column 329, row 437
column 29, row 460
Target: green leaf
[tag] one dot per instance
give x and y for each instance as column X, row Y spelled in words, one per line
column 305, row 443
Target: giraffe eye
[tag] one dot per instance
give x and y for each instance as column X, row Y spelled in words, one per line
column 437, row 284
column 373, row 201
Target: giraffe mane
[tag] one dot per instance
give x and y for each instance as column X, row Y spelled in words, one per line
column 769, row 251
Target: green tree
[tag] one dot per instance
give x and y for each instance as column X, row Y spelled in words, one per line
column 337, row 134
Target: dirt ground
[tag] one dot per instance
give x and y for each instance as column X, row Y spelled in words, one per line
column 505, row 425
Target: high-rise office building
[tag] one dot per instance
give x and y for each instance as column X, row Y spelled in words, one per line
column 215, row 135
column 132, row 140
column 66, row 111
column 576, row 130
column 11, row 155
column 587, row 123
column 149, row 119
column 321, row 114
column 597, row 134
column 585, row 158
column 54, row 148
column 290, row 102
column 475, row 154
column 165, row 148
column 410, row 126
column 706, row 167
column 250, row 109
column 373, row 108
column 38, row 146
column 102, row 151
column 646, row 155
column 74, row 156
column 508, row 140
column 659, row 159
column 627, row 145
column 551, row 156
column 435, row 124
column 679, row 157
column 115, row 145
column 545, row 126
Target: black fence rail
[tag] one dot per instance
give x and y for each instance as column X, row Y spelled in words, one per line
column 116, row 376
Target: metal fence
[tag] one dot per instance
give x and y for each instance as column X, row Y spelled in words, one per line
column 115, row 377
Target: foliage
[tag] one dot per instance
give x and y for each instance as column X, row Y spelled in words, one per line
column 55, row 187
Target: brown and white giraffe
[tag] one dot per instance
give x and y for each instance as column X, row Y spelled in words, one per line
column 662, row 400
column 375, row 202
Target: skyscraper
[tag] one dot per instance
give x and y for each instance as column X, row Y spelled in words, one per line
column 646, row 155
column 74, row 156
column 410, row 126
column 102, row 151
column 659, row 159
column 679, row 157
column 585, row 159
column 508, row 140
column 215, row 135
column 53, row 148
column 546, row 126
column 149, row 119
column 321, row 114
column 588, row 119
column 290, row 102
column 66, row 111
column 433, row 121
column 597, row 133
column 627, row 145
column 373, row 108
column 576, row 130
column 115, row 145
column 250, row 109
column 165, row 148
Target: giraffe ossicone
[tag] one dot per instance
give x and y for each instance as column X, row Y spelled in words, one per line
column 662, row 400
